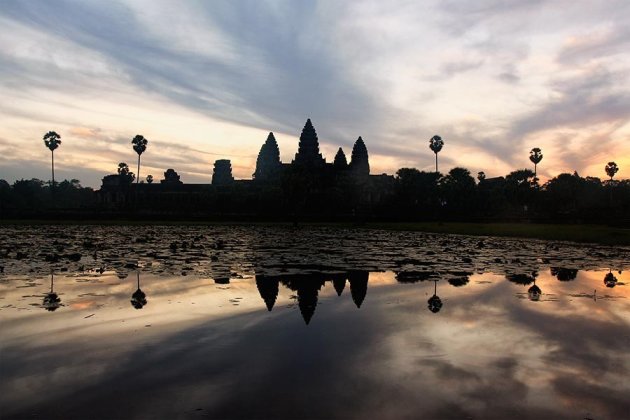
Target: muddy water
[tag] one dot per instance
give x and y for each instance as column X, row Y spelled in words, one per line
column 236, row 322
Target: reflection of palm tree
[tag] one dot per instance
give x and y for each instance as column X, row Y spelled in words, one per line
column 51, row 300
column 436, row 143
column 435, row 303
column 610, row 280
column 534, row 292
column 138, row 298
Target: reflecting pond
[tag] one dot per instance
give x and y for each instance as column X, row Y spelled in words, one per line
column 275, row 322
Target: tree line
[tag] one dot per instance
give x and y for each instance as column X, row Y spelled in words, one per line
column 414, row 195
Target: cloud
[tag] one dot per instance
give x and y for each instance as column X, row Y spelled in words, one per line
column 598, row 44
column 487, row 76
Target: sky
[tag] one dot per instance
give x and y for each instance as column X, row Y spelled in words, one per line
column 209, row 80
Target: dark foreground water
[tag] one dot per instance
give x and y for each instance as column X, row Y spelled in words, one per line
column 234, row 322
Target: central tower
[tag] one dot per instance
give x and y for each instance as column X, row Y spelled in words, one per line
column 308, row 152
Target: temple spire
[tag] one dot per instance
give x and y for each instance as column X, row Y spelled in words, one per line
column 308, row 151
column 340, row 160
column 360, row 164
column 268, row 163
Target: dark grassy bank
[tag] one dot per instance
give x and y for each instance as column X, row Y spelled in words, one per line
column 555, row 232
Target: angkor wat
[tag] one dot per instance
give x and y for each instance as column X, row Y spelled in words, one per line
column 308, row 184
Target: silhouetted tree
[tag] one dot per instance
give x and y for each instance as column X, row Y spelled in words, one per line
column 458, row 189
column 535, row 155
column 52, row 140
column 481, row 176
column 149, row 179
column 123, row 172
column 611, row 169
column 518, row 187
column 417, row 192
column 139, row 145
column 436, row 143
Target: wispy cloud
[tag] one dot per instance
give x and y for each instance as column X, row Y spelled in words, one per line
column 210, row 79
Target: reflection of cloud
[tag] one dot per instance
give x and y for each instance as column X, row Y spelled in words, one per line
column 611, row 402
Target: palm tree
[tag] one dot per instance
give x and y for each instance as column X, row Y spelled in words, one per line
column 535, row 155
column 481, row 176
column 139, row 145
column 436, row 143
column 611, row 170
column 52, row 140
column 149, row 179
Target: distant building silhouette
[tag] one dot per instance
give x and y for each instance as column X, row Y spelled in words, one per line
column 308, row 152
column 171, row 178
column 360, row 165
column 222, row 174
column 268, row 163
column 340, row 161
column 307, row 185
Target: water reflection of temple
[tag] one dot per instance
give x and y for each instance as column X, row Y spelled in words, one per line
column 308, row 285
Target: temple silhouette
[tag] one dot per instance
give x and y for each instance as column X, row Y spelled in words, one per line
column 307, row 287
column 306, row 185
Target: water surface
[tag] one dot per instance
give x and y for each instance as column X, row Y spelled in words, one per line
column 235, row 322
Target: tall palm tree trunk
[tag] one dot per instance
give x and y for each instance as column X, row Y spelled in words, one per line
column 52, row 187
column 436, row 165
column 138, row 178
column 610, row 199
column 52, row 154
